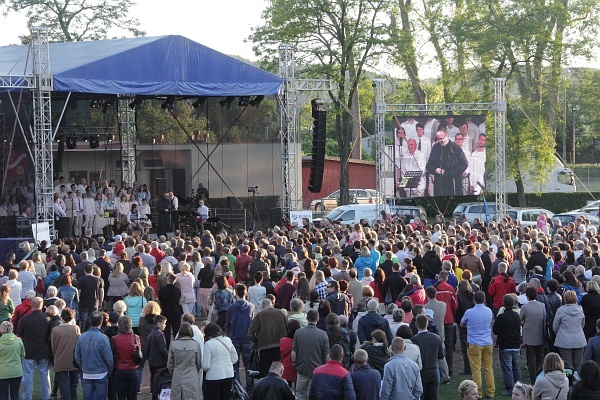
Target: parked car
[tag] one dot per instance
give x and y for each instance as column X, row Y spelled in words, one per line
column 469, row 211
column 410, row 212
column 527, row 216
column 352, row 214
column 357, row 196
column 571, row 216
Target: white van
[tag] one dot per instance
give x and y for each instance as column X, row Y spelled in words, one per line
column 352, row 214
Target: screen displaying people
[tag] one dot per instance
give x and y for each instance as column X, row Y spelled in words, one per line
column 439, row 155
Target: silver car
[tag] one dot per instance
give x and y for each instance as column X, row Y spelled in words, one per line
column 357, row 196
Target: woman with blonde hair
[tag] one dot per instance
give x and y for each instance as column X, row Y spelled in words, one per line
column 568, row 325
column 467, row 390
column 185, row 282
column 522, row 391
column 145, row 327
column 553, row 384
column 38, row 265
column 135, row 302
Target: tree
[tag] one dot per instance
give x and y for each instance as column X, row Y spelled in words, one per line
column 332, row 39
column 76, row 20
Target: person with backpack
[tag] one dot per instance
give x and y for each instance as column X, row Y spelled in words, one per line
column 341, row 336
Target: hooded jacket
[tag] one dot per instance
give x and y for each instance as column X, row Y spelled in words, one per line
column 552, row 385
column 501, row 285
column 568, row 325
column 238, row 320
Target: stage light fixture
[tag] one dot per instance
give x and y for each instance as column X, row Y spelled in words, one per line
column 168, row 104
column 71, row 142
column 136, row 102
column 255, row 102
column 244, row 101
column 227, row 102
column 199, row 103
column 94, row 142
column 95, row 103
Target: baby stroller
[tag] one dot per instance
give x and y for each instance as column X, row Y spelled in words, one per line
column 162, row 381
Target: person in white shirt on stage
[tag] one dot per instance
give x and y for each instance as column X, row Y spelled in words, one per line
column 202, row 213
column 450, row 128
column 88, row 210
column 423, row 142
column 399, row 150
column 78, row 213
column 144, row 214
column 410, row 128
column 431, row 126
column 413, row 161
column 477, row 165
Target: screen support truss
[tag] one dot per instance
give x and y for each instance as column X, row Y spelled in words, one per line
column 128, row 137
column 288, row 105
column 498, row 107
column 40, row 84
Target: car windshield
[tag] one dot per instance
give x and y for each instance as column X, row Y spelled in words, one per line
column 334, row 214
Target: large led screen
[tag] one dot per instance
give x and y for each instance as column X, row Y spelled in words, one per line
column 439, row 155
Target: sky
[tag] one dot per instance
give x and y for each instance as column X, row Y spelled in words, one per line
column 220, row 25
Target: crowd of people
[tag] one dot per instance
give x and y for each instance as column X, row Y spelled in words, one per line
column 388, row 311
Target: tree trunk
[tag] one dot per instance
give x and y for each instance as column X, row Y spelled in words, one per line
column 356, row 121
column 520, row 190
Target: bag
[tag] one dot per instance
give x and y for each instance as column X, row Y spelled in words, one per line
column 137, row 351
column 39, row 288
column 549, row 335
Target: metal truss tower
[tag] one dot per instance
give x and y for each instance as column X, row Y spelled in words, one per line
column 128, row 135
column 288, row 108
column 498, row 107
column 379, row 113
column 500, row 146
column 42, row 135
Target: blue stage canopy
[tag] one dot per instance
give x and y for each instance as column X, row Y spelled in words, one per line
column 151, row 66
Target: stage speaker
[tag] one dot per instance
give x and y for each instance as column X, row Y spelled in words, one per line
column 233, row 202
column 63, row 225
column 317, row 164
column 275, row 216
column 8, row 227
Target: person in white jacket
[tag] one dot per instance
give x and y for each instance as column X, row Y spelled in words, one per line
column 217, row 360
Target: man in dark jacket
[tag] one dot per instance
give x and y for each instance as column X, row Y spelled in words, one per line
column 340, row 303
column 446, row 164
column 272, row 386
column 396, row 282
column 508, row 329
column 432, row 352
column 364, row 376
column 169, row 301
column 156, row 347
column 537, row 258
column 432, row 265
column 237, row 321
column 266, row 330
column 91, row 294
column 33, row 330
column 371, row 321
column 309, row 350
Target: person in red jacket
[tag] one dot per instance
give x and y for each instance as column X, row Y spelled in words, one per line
column 501, row 285
column 241, row 265
column 447, row 294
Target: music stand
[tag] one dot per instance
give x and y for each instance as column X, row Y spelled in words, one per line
column 414, row 178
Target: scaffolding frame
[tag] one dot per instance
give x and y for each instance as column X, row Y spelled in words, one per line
column 498, row 107
column 128, row 136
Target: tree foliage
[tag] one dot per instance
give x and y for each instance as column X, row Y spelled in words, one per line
column 77, row 20
column 332, row 39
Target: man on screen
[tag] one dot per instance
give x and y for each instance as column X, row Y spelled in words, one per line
column 446, row 164
column 423, row 142
column 450, row 128
column 477, row 165
column 414, row 161
column 399, row 150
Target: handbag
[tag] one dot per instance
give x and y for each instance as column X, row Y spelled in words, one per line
column 138, row 356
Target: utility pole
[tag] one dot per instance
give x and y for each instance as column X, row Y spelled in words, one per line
column 574, row 109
